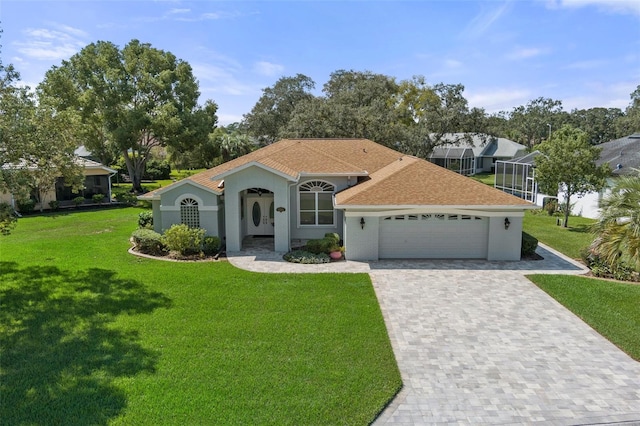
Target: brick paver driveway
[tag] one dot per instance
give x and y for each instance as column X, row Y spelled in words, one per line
column 486, row 346
column 478, row 343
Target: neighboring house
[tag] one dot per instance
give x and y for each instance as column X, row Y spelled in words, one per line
column 623, row 156
column 382, row 203
column 97, row 180
column 477, row 155
column 518, row 177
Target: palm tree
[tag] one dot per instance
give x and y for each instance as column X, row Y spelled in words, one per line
column 618, row 229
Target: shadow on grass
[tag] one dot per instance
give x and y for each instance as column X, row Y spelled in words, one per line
column 59, row 355
column 583, row 229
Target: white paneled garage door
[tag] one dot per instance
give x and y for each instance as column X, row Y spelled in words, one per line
column 433, row 236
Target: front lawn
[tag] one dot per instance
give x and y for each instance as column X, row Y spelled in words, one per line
column 570, row 240
column 92, row 335
column 611, row 308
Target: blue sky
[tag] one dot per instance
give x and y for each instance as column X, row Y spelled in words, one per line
column 585, row 53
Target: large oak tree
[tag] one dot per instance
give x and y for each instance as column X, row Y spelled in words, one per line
column 132, row 100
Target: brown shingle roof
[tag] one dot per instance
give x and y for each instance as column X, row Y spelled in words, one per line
column 392, row 178
column 410, row 181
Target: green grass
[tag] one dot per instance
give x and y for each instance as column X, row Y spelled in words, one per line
column 92, row 335
column 486, row 178
column 611, row 308
column 570, row 240
column 161, row 183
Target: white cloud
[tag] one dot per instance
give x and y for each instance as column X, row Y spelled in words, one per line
column 497, row 100
column 597, row 94
column 268, row 69
column 611, row 6
column 452, row 63
column 484, row 20
column 220, row 79
column 585, row 65
column 527, row 52
column 178, row 11
column 51, row 44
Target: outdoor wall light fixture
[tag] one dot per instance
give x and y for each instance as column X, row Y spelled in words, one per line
column 506, row 223
column 362, row 222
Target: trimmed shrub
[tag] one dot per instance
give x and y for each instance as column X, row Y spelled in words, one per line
column 78, row 201
column 148, row 241
column 332, row 236
column 529, row 244
column 26, row 206
column 98, row 198
column 124, row 196
column 323, row 245
column 54, row 205
column 210, row 245
column 551, row 206
column 184, row 240
column 145, row 219
column 302, row 256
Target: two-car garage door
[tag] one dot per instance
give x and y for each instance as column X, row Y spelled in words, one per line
column 433, row 236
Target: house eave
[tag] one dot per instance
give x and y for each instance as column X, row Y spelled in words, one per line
column 255, row 164
column 157, row 194
column 362, row 173
column 436, row 208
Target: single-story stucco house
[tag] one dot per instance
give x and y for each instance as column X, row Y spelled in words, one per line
column 623, row 156
column 97, row 180
column 472, row 154
column 382, row 203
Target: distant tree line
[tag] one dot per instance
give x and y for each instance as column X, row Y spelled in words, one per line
column 413, row 116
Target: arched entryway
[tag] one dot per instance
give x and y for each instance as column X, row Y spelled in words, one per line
column 260, row 212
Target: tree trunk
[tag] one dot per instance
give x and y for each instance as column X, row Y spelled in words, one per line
column 135, row 173
column 566, row 210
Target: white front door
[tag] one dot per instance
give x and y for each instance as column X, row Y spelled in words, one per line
column 260, row 212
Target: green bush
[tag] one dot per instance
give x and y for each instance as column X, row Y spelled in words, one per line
column 302, row 256
column 8, row 219
column 184, row 240
column 157, row 170
column 78, row 201
column 551, row 206
column 600, row 268
column 211, row 245
column 26, row 206
column 54, row 204
column 98, row 198
column 126, row 197
column 529, row 244
column 148, row 241
column 323, row 245
column 332, row 236
column 145, row 219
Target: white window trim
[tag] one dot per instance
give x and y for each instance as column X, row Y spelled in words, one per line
column 327, row 226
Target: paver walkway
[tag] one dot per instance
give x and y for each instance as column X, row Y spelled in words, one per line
column 478, row 343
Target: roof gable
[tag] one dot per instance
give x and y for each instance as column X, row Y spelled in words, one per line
column 623, row 152
column 412, row 181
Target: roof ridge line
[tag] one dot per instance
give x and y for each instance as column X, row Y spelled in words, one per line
column 355, row 166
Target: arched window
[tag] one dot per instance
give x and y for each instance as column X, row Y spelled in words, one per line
column 189, row 213
column 315, row 201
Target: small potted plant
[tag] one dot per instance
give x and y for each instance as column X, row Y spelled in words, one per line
column 336, row 252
